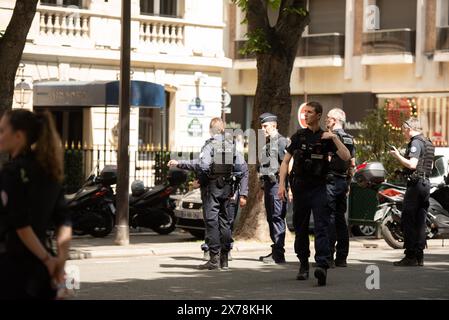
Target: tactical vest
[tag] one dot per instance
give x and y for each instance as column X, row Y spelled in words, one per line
column 425, row 162
column 338, row 165
column 223, row 158
column 267, row 167
column 310, row 161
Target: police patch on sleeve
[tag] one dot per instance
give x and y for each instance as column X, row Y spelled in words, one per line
column 413, row 149
column 347, row 140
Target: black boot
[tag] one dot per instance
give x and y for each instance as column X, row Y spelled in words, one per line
column 340, row 262
column 303, row 273
column 420, row 259
column 321, row 275
column 406, row 262
column 212, row 264
column 224, row 258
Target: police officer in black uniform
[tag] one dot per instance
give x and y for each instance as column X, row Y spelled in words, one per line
column 310, row 149
column 32, row 200
column 218, row 162
column 338, row 183
column 418, row 161
column 273, row 153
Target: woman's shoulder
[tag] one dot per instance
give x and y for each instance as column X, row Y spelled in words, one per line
column 23, row 166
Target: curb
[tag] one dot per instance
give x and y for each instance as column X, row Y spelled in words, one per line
column 82, row 254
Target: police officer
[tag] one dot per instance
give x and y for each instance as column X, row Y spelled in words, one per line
column 310, row 149
column 417, row 162
column 32, row 199
column 338, row 183
column 273, row 153
column 218, row 161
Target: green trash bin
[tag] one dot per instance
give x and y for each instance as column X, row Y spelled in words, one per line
column 362, row 205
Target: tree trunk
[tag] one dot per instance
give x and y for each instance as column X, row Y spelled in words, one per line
column 272, row 95
column 274, row 69
column 11, row 48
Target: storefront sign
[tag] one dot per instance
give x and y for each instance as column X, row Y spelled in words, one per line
column 195, row 128
column 195, row 108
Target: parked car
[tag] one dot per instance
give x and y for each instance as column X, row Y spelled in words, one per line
column 189, row 213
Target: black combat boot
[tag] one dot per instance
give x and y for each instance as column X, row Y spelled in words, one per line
column 212, row 264
column 340, row 262
column 303, row 273
column 406, row 262
column 224, row 258
column 420, row 259
column 321, row 275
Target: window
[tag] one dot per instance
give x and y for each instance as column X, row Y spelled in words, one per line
column 168, row 8
column 327, row 16
column 63, row 3
column 389, row 17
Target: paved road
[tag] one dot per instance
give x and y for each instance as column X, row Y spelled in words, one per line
column 176, row 277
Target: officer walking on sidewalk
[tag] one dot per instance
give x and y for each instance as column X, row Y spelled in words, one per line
column 217, row 163
column 310, row 149
column 338, row 183
column 418, row 161
column 273, row 153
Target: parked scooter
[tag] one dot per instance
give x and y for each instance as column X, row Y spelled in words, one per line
column 152, row 207
column 92, row 206
column 391, row 198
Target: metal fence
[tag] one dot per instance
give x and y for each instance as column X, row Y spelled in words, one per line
column 147, row 163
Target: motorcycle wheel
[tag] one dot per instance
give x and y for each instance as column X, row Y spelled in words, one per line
column 390, row 235
column 168, row 227
column 106, row 225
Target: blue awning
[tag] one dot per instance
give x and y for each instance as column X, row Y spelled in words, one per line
column 143, row 94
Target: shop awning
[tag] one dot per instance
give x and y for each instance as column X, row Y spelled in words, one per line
column 96, row 93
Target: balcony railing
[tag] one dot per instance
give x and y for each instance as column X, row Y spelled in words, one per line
column 325, row 44
column 314, row 45
column 389, row 41
column 157, row 32
column 443, row 39
column 58, row 23
column 87, row 29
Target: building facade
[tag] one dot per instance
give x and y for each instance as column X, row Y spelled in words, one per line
column 174, row 43
column 362, row 54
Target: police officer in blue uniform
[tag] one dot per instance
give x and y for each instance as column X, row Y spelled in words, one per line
column 418, row 162
column 310, row 149
column 273, row 153
column 338, row 183
column 218, row 162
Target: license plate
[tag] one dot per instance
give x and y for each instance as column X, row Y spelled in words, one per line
column 189, row 215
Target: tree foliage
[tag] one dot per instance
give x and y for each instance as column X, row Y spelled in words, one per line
column 374, row 140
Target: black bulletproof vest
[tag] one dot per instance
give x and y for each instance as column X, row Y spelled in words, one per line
column 338, row 165
column 310, row 160
column 425, row 161
column 223, row 154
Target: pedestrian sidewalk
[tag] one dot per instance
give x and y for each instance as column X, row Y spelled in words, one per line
column 148, row 244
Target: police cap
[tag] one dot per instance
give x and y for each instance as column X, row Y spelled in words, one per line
column 268, row 117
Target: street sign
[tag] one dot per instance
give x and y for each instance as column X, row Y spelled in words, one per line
column 301, row 116
column 226, row 97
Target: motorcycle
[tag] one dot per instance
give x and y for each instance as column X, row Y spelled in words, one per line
column 391, row 198
column 152, row 207
column 92, row 206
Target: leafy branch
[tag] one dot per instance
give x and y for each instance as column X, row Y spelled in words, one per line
column 257, row 43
